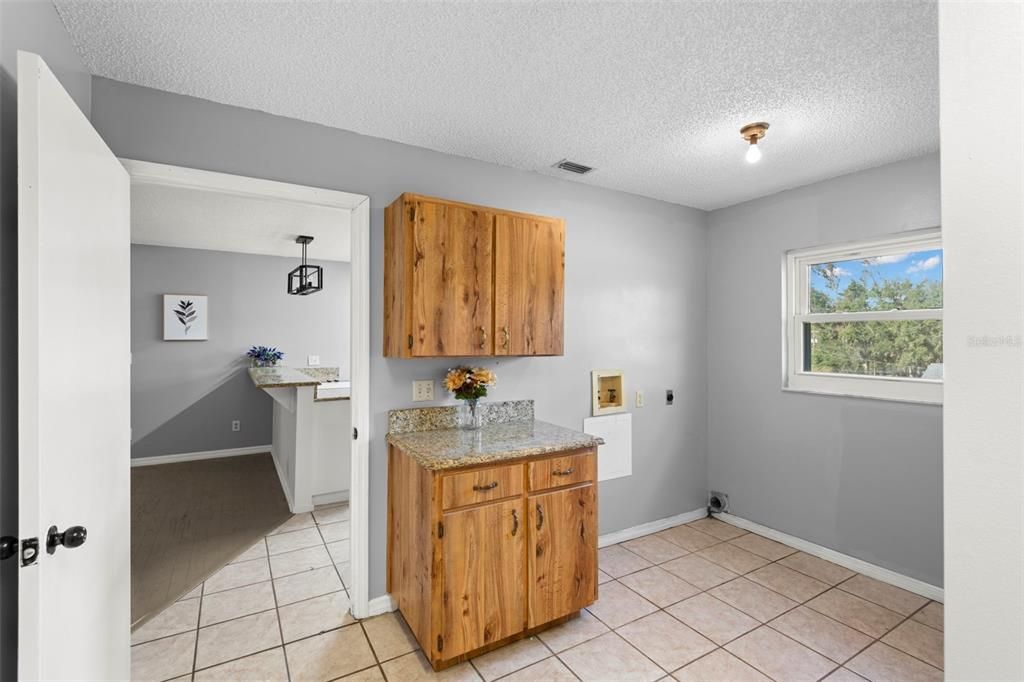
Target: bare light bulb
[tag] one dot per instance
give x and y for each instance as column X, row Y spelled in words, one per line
column 753, row 153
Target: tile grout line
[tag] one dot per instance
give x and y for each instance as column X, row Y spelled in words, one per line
column 760, row 622
column 277, row 614
column 266, row 557
column 615, row 630
column 199, row 620
column 874, row 639
column 767, row 623
column 254, row 613
column 652, row 564
column 798, row 605
column 890, row 631
column 338, row 572
column 555, row 655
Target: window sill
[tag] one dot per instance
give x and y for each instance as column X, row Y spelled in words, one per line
column 892, row 390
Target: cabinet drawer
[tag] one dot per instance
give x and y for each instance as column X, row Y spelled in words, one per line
column 470, row 487
column 562, row 470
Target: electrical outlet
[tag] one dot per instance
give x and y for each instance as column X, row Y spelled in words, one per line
column 236, row 425
column 313, row 361
column 669, row 397
column 422, row 390
column 639, row 398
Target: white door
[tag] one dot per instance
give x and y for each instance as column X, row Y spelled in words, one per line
column 73, row 388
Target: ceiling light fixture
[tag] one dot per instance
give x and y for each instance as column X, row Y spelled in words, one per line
column 752, row 132
column 305, row 279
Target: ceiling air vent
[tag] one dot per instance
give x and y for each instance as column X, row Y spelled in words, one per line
column 573, row 167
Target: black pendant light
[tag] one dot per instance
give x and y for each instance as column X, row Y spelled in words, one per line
column 305, row 279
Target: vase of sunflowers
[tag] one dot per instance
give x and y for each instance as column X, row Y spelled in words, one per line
column 470, row 384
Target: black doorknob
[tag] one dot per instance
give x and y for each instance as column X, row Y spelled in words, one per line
column 71, row 538
column 8, row 547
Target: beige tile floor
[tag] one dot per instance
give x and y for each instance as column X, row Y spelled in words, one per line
column 704, row 601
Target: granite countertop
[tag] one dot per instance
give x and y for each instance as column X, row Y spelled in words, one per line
column 496, row 442
column 286, row 377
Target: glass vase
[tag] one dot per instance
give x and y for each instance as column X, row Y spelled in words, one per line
column 471, row 415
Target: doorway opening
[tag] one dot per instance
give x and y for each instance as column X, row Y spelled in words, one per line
column 249, row 475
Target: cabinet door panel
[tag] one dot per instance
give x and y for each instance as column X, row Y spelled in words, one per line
column 484, row 576
column 528, row 285
column 562, row 553
column 452, row 280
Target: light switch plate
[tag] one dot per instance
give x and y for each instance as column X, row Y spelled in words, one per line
column 313, row 360
column 422, row 390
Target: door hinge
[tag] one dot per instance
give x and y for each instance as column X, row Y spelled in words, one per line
column 29, row 551
column 440, row 529
column 355, row 433
column 440, row 643
column 410, row 341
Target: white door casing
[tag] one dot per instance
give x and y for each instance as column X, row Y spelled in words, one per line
column 73, row 386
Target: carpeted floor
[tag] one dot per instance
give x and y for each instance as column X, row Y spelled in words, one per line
column 190, row 519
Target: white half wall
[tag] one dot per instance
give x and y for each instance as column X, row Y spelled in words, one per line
column 981, row 55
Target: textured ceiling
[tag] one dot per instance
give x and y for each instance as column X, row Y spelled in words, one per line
column 652, row 94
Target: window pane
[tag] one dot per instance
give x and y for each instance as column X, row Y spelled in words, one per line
column 899, row 348
column 898, row 281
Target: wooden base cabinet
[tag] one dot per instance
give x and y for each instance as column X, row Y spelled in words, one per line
column 482, row 556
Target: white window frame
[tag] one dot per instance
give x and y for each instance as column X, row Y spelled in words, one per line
column 796, row 265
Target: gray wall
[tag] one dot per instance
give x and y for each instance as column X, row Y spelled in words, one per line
column 32, row 26
column 186, row 393
column 635, row 281
column 863, row 477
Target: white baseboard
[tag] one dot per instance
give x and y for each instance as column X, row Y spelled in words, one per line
column 194, row 456
column 845, row 560
column 330, row 498
column 618, row 536
column 381, row 604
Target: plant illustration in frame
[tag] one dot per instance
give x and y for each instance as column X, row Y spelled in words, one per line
column 185, row 317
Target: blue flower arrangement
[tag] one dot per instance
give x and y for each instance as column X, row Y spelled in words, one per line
column 264, row 356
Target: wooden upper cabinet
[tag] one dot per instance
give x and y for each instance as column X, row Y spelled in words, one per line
column 464, row 280
column 529, row 272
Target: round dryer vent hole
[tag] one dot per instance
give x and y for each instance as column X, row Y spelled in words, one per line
column 718, row 502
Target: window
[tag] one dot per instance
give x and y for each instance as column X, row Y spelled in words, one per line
column 865, row 319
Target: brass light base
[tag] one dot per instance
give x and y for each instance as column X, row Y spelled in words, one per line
column 752, row 132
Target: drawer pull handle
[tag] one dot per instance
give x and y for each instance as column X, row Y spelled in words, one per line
column 484, row 488
column 515, row 522
column 540, row 516
column 483, row 337
column 559, row 472
column 504, row 332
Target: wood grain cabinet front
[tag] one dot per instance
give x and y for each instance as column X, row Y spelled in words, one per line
column 562, row 552
column 463, row 280
column 469, row 574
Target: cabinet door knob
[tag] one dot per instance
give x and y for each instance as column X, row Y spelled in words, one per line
column 483, row 488
column 483, row 337
column 540, row 516
column 515, row 522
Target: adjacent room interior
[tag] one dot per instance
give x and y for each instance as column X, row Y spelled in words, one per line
column 241, row 367
column 569, row 341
